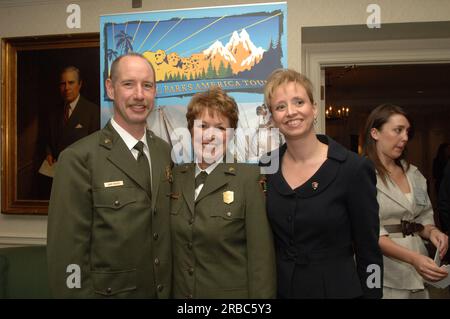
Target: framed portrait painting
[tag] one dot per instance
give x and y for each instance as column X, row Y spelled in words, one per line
column 32, row 93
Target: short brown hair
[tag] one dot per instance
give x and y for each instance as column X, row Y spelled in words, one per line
column 115, row 64
column 215, row 99
column 377, row 118
column 283, row 76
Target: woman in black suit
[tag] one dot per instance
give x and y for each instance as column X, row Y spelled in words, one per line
column 321, row 203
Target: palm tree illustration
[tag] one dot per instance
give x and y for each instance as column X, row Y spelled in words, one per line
column 124, row 42
column 111, row 55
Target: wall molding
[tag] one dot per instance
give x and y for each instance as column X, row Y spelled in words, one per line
column 28, row 3
column 11, row 240
column 319, row 55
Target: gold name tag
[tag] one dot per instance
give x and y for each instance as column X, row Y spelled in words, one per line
column 113, row 184
column 228, row 197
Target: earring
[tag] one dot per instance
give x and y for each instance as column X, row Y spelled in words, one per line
column 315, row 121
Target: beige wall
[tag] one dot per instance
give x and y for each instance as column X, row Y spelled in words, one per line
column 26, row 17
column 38, row 17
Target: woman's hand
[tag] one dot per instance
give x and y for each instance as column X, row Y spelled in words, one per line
column 440, row 241
column 427, row 268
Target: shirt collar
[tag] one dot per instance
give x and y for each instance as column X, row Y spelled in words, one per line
column 130, row 140
column 74, row 103
column 335, row 150
column 208, row 170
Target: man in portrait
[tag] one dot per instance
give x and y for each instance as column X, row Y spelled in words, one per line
column 73, row 119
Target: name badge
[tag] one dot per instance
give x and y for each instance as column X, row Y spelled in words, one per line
column 228, row 197
column 113, row 184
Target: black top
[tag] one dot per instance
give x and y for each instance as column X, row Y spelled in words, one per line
column 444, row 200
column 321, row 225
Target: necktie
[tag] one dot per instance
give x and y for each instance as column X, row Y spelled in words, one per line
column 143, row 165
column 200, row 179
column 66, row 113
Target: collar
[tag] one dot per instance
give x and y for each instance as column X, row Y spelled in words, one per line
column 410, row 170
column 335, row 150
column 130, row 140
column 391, row 190
column 322, row 178
column 74, row 102
column 208, row 170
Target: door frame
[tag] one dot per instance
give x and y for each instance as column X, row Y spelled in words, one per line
column 320, row 55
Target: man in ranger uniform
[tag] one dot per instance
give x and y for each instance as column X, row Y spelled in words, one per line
column 108, row 227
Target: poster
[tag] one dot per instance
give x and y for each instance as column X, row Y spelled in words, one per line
column 234, row 47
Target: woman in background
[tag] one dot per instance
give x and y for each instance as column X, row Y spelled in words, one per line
column 406, row 215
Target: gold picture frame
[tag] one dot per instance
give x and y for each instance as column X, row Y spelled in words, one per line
column 30, row 68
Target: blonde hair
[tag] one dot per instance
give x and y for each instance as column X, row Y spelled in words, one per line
column 283, row 76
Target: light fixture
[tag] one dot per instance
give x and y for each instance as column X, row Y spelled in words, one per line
column 337, row 113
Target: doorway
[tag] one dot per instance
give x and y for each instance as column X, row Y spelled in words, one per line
column 352, row 91
column 369, row 56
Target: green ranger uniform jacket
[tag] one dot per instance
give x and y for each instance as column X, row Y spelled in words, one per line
column 222, row 241
column 106, row 236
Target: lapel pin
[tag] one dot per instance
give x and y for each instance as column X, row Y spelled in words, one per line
column 314, row 185
column 174, row 195
column 263, row 183
column 169, row 175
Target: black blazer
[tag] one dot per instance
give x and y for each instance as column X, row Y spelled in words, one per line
column 323, row 224
column 84, row 120
column 444, row 200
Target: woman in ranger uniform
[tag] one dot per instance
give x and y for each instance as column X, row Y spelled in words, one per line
column 406, row 215
column 222, row 242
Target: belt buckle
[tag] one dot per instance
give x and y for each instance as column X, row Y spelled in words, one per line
column 406, row 231
column 409, row 228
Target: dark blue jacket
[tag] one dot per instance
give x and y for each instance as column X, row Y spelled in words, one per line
column 326, row 231
column 444, row 199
